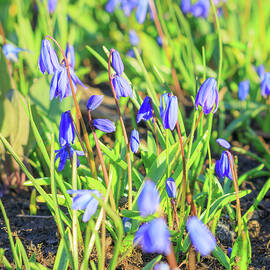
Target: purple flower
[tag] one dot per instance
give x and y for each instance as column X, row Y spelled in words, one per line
column 260, row 71
column 66, row 129
column 84, row 200
column 111, row 4
column 145, row 112
column 117, row 63
column 201, row 8
column 168, row 108
column 171, row 188
column 141, row 10
column 104, row 125
column 48, row 60
column 153, row 237
column 265, row 85
column 243, row 90
column 229, row 252
column 201, row 238
column 133, row 38
column 128, row 6
column 149, row 199
column 60, row 86
column 161, row 266
column 134, row 141
column 223, row 167
column 11, row 52
column 63, row 154
column 223, row 143
column 207, row 96
column 70, row 55
column 122, row 87
column 185, row 6
column 94, row 101
column 52, row 5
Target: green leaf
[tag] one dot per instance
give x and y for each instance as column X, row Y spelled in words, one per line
column 4, row 76
column 151, row 264
column 23, row 253
column 61, row 259
column 222, row 257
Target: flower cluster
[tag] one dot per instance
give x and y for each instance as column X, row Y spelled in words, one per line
column 153, row 236
column 120, row 84
column 66, row 138
column 48, row 61
column 127, row 6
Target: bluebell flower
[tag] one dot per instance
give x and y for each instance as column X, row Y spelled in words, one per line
column 159, row 41
column 11, row 52
column 229, row 252
column 117, row 63
column 171, row 188
column 133, row 38
column 201, row 238
column 149, row 199
column 201, row 8
column 48, row 60
column 134, row 141
column 168, row 108
column 63, row 154
column 128, row 5
column 111, row 4
column 121, row 87
column 131, row 53
column 243, row 90
column 265, row 85
column 52, row 5
column 153, row 237
column 70, row 55
column 141, row 10
column 207, row 96
column 126, row 224
column 145, row 112
column 223, row 167
column 223, row 143
column 161, row 266
column 60, row 86
column 84, row 200
column 185, row 6
column 66, row 129
column 260, row 71
column 94, row 101
column 104, row 125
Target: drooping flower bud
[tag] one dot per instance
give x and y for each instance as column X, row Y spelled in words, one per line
column 117, row 63
column 104, row 125
column 171, row 188
column 94, row 101
column 134, row 141
column 122, row 87
column 223, row 143
column 243, row 90
column 223, row 167
column 66, row 129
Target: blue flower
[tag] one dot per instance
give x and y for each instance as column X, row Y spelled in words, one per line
column 145, row 112
column 133, row 38
column 117, row 63
column 134, row 141
column 201, row 238
column 185, row 6
column 63, row 154
column 159, row 41
column 243, row 90
column 149, row 199
column 111, row 4
column 265, row 85
column 104, row 125
column 126, row 224
column 223, row 143
column 48, row 60
column 52, row 5
column 94, row 101
column 223, row 167
column 153, row 237
column 207, row 96
column 122, row 87
column 260, row 71
column 70, row 55
column 84, row 200
column 141, row 10
column 128, row 6
column 11, row 52
column 66, row 129
column 229, row 252
column 171, row 188
column 161, row 266
column 168, row 108
column 60, row 86
column 201, row 8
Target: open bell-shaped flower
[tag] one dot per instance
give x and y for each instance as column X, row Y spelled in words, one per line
column 207, row 96
column 223, row 167
column 11, row 52
column 84, row 200
column 201, row 238
column 153, row 237
column 145, row 112
column 185, row 6
column 168, row 108
column 201, row 8
column 122, row 87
